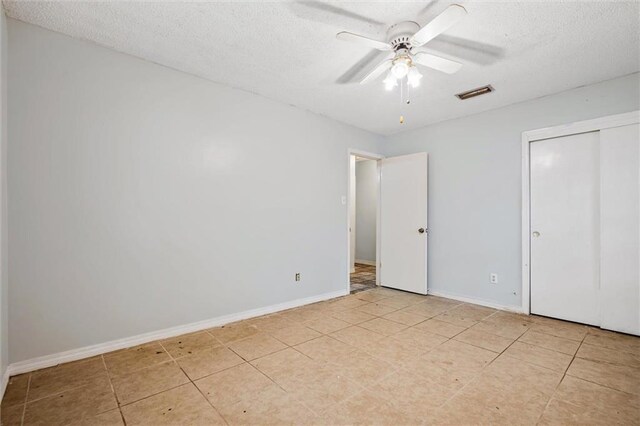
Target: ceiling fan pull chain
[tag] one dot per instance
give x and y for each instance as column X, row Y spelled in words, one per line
column 402, row 91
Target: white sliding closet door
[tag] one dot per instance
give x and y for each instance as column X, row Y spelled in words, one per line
column 585, row 227
column 620, row 226
column 565, row 228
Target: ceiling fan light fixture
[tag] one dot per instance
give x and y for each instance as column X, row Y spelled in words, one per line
column 400, row 68
column 402, row 40
column 390, row 82
column 414, row 77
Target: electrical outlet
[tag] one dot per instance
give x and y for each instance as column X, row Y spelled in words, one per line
column 297, row 276
column 494, row 278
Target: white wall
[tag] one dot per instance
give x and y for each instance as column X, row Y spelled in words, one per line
column 4, row 288
column 475, row 185
column 142, row 198
column 366, row 205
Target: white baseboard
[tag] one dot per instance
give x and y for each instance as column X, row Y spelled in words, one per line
column 481, row 302
column 366, row 262
column 101, row 348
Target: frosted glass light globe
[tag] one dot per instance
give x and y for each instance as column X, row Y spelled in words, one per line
column 413, row 77
column 390, row 82
column 400, row 69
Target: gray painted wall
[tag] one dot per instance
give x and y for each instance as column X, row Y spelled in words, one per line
column 366, row 196
column 142, row 198
column 475, row 185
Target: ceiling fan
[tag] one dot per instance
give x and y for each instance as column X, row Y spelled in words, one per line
column 404, row 39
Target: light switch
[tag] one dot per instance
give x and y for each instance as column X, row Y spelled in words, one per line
column 344, row 200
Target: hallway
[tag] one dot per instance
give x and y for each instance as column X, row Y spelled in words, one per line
column 364, row 278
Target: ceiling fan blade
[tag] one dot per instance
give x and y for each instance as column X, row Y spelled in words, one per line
column 436, row 62
column 355, row 72
column 467, row 50
column 365, row 41
column 329, row 13
column 375, row 73
column 438, row 25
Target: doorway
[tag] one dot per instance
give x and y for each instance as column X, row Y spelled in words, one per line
column 363, row 204
column 401, row 193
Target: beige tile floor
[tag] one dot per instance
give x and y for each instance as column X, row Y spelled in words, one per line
column 375, row 357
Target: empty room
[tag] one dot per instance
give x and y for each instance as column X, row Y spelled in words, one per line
column 319, row 212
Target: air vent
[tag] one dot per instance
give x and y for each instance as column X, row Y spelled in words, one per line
column 475, row 92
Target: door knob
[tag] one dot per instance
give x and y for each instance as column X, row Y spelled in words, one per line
column 421, row 230
column 536, row 234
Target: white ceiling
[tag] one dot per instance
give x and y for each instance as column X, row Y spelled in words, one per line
column 288, row 51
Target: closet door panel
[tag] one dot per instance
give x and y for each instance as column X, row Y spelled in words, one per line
column 565, row 228
column 620, row 228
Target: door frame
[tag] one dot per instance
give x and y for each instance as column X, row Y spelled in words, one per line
column 530, row 136
column 377, row 158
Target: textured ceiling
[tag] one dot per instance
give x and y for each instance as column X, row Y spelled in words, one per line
column 288, row 51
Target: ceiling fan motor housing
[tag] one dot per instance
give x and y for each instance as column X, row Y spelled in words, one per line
column 400, row 34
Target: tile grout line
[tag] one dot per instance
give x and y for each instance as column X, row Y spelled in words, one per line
column 322, row 365
column 156, row 393
column 517, row 339
column 113, row 389
column 222, row 345
column 191, row 381
column 60, row 391
column 283, row 389
column 73, row 388
column 601, row 384
column 564, row 374
column 450, row 339
column 26, row 398
column 257, row 369
column 141, row 369
column 479, row 374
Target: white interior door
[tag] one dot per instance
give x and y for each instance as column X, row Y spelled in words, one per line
column 352, row 213
column 403, row 222
column 565, row 252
